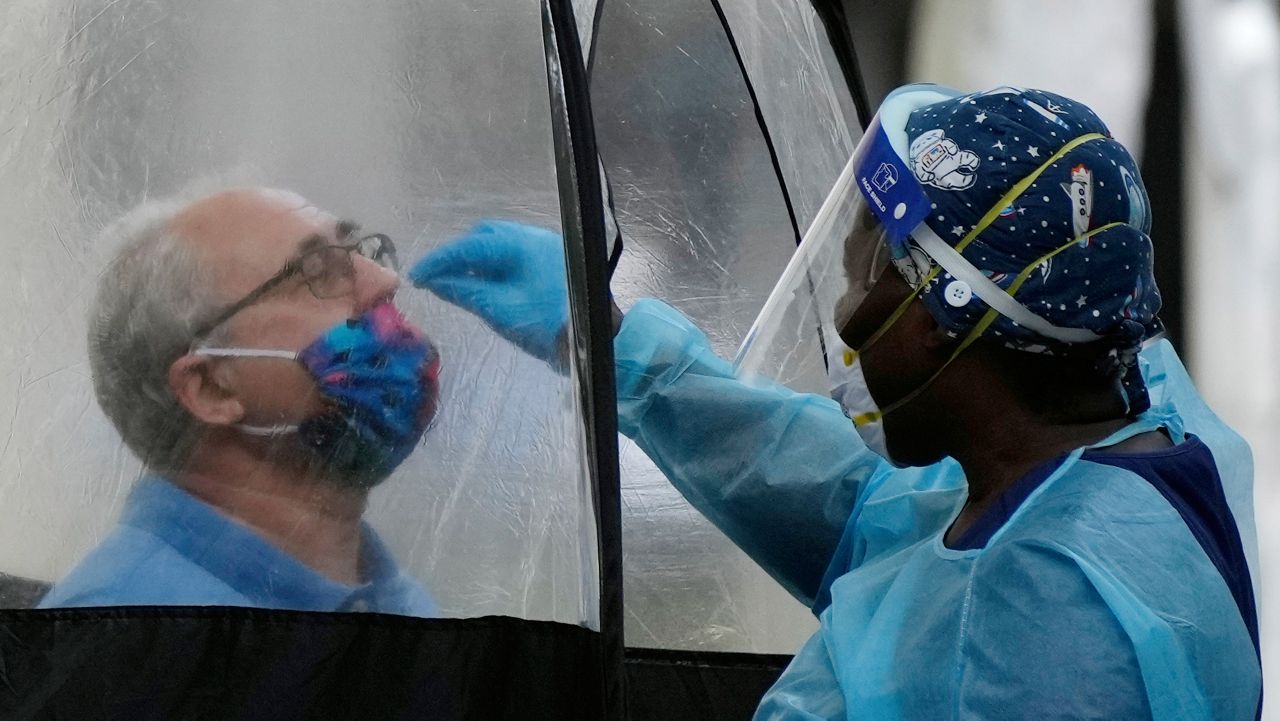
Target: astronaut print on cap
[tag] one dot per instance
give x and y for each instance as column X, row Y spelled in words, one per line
column 936, row 160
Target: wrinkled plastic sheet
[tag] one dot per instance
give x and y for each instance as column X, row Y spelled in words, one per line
column 416, row 118
column 707, row 230
column 802, row 95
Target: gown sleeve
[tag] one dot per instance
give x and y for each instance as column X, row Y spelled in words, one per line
column 777, row 471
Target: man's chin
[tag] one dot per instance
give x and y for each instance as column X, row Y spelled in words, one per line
column 339, row 472
column 341, row 467
column 352, row 479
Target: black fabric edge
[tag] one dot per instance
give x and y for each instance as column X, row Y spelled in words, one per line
column 618, row 246
column 722, row 659
column 593, row 290
column 699, row 685
column 218, row 662
column 94, row 614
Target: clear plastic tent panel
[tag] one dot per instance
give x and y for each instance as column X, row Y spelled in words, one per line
column 707, row 230
column 802, row 95
column 414, row 118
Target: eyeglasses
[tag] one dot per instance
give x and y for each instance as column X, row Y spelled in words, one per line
column 326, row 268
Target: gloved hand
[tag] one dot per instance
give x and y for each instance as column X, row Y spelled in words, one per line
column 512, row 276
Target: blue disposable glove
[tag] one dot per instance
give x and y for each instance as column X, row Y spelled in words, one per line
column 509, row 274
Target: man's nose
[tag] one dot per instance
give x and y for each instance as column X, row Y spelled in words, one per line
column 374, row 283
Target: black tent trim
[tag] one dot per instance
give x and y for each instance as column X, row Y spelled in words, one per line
column 582, row 215
column 698, row 685
column 616, row 242
column 204, row 663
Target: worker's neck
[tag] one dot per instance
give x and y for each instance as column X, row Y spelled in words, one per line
column 1004, row 449
column 1004, row 446
column 315, row 522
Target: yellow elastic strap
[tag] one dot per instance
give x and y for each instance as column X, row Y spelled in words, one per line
column 896, row 314
column 863, row 419
column 985, row 322
column 990, row 316
column 1026, row 272
column 1021, row 187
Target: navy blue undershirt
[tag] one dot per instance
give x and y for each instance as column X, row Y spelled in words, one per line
column 1187, row 477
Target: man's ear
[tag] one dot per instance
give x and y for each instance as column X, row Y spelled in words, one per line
column 199, row 389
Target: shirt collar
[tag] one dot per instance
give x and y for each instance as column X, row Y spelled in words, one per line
column 232, row 552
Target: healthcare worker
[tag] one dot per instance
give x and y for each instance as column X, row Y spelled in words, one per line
column 1017, row 506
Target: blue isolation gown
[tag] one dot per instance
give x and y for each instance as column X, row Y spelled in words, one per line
column 1096, row 598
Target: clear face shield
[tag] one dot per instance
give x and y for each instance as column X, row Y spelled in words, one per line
column 864, row 225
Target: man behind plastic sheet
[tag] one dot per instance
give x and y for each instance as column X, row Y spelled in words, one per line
column 246, row 347
column 1017, row 506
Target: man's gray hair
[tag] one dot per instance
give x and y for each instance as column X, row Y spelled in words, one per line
column 151, row 298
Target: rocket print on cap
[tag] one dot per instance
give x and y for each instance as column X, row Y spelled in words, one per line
column 1049, row 113
column 1080, row 190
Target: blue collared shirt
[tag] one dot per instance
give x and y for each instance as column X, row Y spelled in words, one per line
column 170, row 548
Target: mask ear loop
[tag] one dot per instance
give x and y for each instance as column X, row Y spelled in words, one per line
column 252, row 430
column 268, row 431
column 245, row 353
column 1021, row 187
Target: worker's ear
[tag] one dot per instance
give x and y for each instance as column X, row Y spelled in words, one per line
column 201, row 389
column 937, row 340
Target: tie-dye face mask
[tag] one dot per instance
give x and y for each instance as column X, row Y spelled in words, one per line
column 378, row 377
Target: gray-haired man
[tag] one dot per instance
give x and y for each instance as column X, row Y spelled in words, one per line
column 246, row 348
